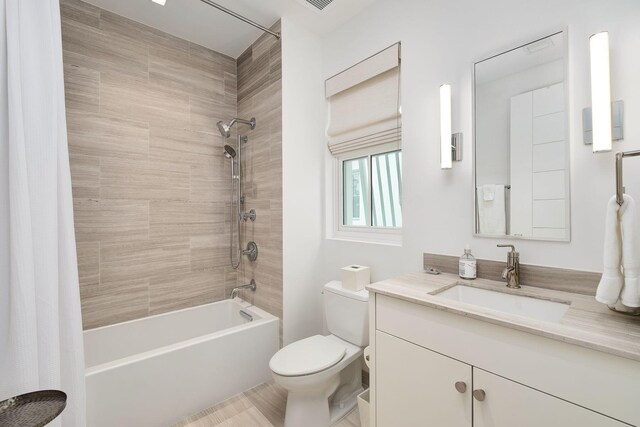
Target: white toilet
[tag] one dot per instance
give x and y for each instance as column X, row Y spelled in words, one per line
column 323, row 374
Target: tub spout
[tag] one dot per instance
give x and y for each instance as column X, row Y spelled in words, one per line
column 236, row 290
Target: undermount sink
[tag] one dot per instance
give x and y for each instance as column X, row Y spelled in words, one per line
column 533, row 308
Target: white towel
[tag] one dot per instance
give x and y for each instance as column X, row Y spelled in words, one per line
column 488, row 192
column 621, row 254
column 491, row 213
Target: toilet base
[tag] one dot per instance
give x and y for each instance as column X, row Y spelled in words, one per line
column 308, row 408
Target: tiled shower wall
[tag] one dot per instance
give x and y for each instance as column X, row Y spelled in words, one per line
column 260, row 96
column 150, row 183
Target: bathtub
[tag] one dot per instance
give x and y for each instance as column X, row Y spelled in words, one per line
column 155, row 371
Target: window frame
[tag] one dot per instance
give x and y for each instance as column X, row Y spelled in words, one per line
column 361, row 233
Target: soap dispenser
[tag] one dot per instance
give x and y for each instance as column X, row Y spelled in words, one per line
column 467, row 265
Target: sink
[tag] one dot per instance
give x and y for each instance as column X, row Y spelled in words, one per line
column 533, row 308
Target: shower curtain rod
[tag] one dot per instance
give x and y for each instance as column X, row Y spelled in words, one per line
column 240, row 17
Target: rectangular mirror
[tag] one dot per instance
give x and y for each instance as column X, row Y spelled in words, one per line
column 521, row 142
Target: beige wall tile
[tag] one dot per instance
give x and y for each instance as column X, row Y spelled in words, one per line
column 111, row 220
column 177, row 291
column 184, row 219
column 85, row 176
column 115, row 302
column 150, row 182
column 81, row 88
column 100, row 135
column 143, row 180
column 124, row 97
column 143, row 259
column 80, row 11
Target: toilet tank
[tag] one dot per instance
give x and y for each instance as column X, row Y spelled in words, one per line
column 347, row 313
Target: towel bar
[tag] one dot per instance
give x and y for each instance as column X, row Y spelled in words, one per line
column 619, row 184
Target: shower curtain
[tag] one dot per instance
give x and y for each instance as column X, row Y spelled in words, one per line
column 40, row 324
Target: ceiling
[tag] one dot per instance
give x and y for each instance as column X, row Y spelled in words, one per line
column 202, row 24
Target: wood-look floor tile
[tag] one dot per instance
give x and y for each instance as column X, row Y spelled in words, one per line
column 271, row 400
column 218, row 413
column 176, row 291
column 111, row 220
column 143, row 259
column 100, row 135
column 250, row 417
column 81, row 88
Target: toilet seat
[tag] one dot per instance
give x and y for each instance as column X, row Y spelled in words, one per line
column 307, row 356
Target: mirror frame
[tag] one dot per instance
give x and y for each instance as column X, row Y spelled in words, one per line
column 497, row 53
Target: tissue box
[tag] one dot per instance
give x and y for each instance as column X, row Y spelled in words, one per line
column 355, row 277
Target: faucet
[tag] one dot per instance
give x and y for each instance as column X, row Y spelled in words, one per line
column 236, row 290
column 512, row 271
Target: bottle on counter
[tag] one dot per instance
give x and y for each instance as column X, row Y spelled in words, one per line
column 467, row 265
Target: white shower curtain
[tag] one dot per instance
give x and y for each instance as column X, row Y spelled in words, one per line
column 40, row 323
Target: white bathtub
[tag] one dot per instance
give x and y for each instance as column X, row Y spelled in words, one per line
column 155, row 371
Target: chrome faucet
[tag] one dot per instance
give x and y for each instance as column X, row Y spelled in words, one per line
column 512, row 272
column 236, row 290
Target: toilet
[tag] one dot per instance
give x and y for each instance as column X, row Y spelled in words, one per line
column 323, row 374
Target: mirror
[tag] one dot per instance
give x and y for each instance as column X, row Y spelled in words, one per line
column 521, row 142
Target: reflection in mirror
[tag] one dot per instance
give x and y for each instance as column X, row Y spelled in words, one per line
column 521, row 142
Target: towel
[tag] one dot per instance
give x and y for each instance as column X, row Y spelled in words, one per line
column 492, row 218
column 488, row 192
column 621, row 275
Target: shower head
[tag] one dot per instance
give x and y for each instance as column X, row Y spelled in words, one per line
column 225, row 128
column 229, row 152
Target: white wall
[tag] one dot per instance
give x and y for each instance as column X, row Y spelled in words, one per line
column 303, row 145
column 440, row 41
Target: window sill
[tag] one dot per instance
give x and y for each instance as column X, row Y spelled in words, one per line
column 384, row 237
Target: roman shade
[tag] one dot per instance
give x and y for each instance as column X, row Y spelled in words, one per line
column 364, row 104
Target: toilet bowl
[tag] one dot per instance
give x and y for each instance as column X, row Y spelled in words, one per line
column 323, row 374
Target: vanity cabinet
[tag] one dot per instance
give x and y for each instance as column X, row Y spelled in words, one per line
column 430, row 368
column 415, row 384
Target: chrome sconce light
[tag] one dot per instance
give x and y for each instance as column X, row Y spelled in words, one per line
column 450, row 143
column 602, row 123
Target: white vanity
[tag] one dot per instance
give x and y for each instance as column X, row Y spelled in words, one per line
column 485, row 359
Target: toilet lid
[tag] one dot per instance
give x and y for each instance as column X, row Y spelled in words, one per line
column 307, row 356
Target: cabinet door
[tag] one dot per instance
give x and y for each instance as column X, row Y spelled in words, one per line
column 417, row 387
column 508, row 404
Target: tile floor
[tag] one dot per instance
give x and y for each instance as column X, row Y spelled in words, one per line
column 262, row 406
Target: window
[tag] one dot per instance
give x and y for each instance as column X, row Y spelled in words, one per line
column 364, row 133
column 372, row 190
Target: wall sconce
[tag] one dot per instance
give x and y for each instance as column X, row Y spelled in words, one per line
column 600, row 92
column 450, row 144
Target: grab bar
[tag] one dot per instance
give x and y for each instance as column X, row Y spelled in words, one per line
column 246, row 315
column 619, row 184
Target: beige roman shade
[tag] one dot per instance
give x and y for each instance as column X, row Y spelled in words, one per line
column 364, row 104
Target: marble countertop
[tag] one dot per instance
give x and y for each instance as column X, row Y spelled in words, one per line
column 587, row 323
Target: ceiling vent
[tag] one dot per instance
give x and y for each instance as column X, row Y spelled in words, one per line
column 319, row 4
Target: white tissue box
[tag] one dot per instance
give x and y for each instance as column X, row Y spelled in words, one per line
column 355, row 277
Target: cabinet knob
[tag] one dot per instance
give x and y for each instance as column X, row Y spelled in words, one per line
column 461, row 386
column 479, row 394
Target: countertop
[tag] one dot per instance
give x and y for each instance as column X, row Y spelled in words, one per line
column 587, row 323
